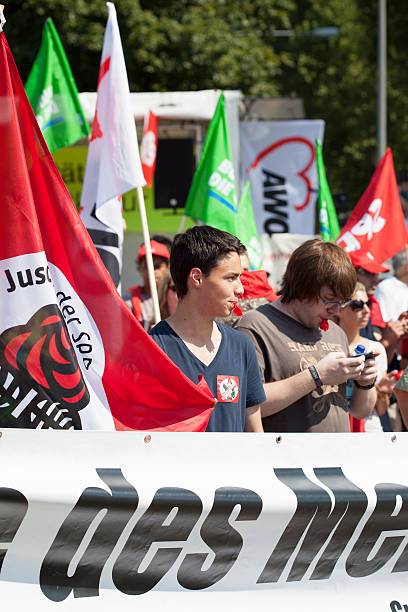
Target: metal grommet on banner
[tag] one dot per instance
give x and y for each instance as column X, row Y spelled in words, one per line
column 147, row 439
column 278, row 439
column 393, row 438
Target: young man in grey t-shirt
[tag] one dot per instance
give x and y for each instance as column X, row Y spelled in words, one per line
column 303, row 357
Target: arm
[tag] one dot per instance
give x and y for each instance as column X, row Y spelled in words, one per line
column 282, row 393
column 384, row 388
column 362, row 402
column 333, row 369
column 253, row 422
column 392, row 334
column 402, row 399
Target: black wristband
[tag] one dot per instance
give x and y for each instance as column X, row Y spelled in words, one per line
column 315, row 375
column 365, row 387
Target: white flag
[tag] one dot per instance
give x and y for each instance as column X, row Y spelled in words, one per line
column 113, row 164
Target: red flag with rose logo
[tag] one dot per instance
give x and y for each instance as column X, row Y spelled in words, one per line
column 148, row 148
column 72, row 355
column 377, row 224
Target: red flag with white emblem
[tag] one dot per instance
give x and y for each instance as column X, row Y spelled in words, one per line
column 113, row 163
column 377, row 224
column 72, row 356
column 148, row 148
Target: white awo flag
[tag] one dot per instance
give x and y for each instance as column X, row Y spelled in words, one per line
column 279, row 160
column 113, row 164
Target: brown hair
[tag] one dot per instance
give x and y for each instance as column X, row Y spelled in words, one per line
column 316, row 263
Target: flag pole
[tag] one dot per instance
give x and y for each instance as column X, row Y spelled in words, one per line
column 2, row 18
column 182, row 224
column 149, row 257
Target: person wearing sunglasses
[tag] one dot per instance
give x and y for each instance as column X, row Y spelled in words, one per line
column 352, row 318
column 304, row 359
column 368, row 272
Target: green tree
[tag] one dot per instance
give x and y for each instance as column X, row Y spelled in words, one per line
column 173, row 45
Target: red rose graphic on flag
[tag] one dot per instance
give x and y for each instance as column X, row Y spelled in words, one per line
column 41, row 384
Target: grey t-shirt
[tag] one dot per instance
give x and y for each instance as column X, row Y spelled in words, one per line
column 284, row 347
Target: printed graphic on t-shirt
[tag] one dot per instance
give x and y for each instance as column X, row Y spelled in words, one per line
column 227, row 388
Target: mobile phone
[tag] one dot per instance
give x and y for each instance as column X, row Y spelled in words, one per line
column 366, row 356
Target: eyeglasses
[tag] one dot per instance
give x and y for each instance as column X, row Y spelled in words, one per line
column 358, row 304
column 333, row 304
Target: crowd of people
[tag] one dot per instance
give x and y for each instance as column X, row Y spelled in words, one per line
column 326, row 353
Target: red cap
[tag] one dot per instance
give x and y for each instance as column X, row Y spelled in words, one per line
column 157, row 249
column 366, row 261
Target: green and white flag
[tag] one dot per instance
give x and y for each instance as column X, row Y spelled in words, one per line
column 212, row 197
column 246, row 229
column 53, row 94
column 329, row 225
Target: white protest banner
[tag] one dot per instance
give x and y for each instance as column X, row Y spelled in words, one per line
column 276, row 250
column 91, row 520
column 278, row 158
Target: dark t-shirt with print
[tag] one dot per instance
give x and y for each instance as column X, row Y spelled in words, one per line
column 284, row 347
column 233, row 375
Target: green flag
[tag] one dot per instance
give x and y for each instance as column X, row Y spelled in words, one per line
column 53, row 94
column 212, row 197
column 246, row 229
column 329, row 225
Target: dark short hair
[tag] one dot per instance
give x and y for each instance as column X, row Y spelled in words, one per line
column 201, row 246
column 314, row 264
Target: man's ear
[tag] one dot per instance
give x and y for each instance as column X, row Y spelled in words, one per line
column 195, row 276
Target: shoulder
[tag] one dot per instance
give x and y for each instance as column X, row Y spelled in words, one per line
column 386, row 285
column 254, row 318
column 236, row 341
column 133, row 292
column 232, row 335
column 162, row 328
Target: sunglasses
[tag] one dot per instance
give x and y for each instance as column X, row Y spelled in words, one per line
column 356, row 305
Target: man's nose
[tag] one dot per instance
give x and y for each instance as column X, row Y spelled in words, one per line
column 239, row 290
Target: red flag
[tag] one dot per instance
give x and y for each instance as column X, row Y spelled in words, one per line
column 377, row 224
column 71, row 353
column 148, row 149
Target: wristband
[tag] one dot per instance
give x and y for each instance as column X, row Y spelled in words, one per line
column 315, row 375
column 365, row 387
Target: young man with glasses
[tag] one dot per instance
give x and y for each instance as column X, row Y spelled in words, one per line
column 304, row 368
